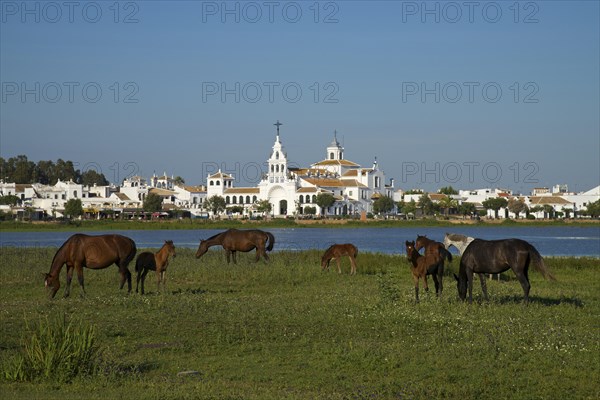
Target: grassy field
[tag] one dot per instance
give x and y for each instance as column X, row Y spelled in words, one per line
column 286, row 330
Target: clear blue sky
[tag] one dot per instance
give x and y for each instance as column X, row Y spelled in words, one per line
column 420, row 95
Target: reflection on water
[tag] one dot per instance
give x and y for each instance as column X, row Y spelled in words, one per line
column 550, row 241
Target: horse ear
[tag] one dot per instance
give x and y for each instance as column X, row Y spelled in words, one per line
column 455, row 277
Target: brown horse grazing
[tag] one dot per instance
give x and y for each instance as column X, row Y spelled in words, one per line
column 94, row 252
column 495, row 256
column 433, row 248
column 421, row 266
column 234, row 240
column 335, row 252
column 158, row 262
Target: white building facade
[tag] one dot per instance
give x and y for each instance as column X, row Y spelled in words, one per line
column 291, row 191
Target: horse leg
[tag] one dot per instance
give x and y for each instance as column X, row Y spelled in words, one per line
column 69, row 278
column 416, row 279
column 523, row 277
column 337, row 260
column 138, row 276
column 470, row 285
column 158, row 277
column 234, row 255
column 353, row 263
column 483, row 286
column 437, row 284
column 144, row 272
column 79, row 270
column 125, row 277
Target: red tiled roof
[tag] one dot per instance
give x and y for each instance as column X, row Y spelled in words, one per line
column 242, row 191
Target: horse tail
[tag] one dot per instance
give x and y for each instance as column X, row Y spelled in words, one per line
column 139, row 265
column 131, row 253
column 355, row 251
column 538, row 263
column 445, row 253
column 271, row 241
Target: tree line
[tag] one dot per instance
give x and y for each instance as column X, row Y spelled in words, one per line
column 22, row 171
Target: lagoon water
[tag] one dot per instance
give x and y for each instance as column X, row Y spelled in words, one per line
column 549, row 240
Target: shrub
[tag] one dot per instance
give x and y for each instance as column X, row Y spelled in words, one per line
column 55, row 349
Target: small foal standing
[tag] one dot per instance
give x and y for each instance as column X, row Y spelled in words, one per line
column 158, row 262
column 335, row 252
column 421, row 266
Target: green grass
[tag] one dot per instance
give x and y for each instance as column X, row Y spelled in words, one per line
column 286, row 330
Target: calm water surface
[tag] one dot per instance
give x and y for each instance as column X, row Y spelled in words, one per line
column 550, row 241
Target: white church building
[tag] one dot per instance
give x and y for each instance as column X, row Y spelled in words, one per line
column 290, row 190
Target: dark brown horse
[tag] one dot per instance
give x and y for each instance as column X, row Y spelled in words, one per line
column 94, row 252
column 234, row 240
column 423, row 265
column 496, row 256
column 158, row 262
column 337, row 251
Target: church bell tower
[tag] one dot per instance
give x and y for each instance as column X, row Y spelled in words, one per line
column 278, row 160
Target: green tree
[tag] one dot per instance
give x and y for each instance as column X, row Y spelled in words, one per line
column 178, row 180
column 44, row 172
column 517, row 206
column 9, row 199
column 91, row 178
column 310, row 210
column 236, row 209
column 593, row 209
column 65, row 171
column 325, row 200
column 18, row 169
column 216, row 204
column 426, row 204
column 264, row 206
column 536, row 209
column 73, row 208
column 410, row 207
column 448, row 190
column 548, row 210
column 384, row 204
column 494, row 203
column 467, row 208
column 400, row 206
column 152, row 203
column 447, row 203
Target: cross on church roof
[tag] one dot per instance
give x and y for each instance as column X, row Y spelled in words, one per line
column 277, row 124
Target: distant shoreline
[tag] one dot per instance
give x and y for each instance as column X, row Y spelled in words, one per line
column 94, row 225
